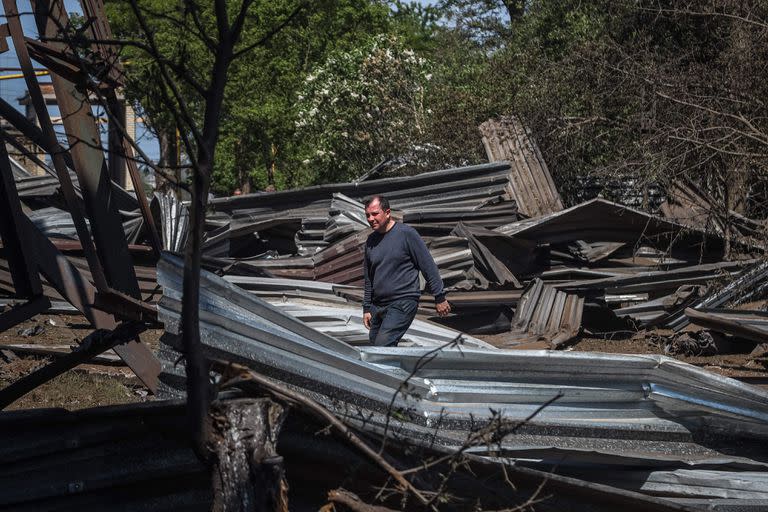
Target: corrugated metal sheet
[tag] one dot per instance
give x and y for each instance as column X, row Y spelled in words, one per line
column 545, row 313
column 248, row 318
column 135, row 457
column 616, row 413
column 531, row 184
column 467, row 186
column 599, row 220
column 486, row 216
column 118, row 458
column 174, row 220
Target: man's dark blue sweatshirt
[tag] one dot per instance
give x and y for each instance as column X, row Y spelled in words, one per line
column 391, row 267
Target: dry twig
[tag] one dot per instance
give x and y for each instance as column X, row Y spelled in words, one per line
column 280, row 392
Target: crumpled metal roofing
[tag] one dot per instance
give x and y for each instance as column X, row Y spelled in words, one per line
column 467, row 186
column 627, row 408
column 599, row 220
column 57, row 223
column 174, row 220
column 319, row 305
column 531, row 184
column 751, row 282
column 546, row 313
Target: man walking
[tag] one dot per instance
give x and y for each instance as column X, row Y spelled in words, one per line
column 394, row 256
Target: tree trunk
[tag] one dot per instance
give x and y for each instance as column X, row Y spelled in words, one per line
column 247, row 473
column 168, row 153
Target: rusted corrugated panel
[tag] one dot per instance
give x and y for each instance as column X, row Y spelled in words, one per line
column 472, row 185
column 545, row 313
column 531, row 184
column 599, row 220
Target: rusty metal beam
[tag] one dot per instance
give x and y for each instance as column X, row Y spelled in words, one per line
column 126, row 307
column 90, row 165
column 3, row 34
column 32, row 132
column 78, row 291
column 98, row 26
column 18, row 248
column 51, row 142
column 57, row 61
column 710, row 319
column 93, row 11
column 110, row 262
column 18, row 251
column 16, row 143
column 23, row 312
column 123, row 200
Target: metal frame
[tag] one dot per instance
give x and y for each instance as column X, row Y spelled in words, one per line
column 115, row 290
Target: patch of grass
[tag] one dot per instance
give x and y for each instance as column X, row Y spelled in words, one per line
column 77, row 390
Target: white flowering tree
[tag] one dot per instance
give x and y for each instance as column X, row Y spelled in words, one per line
column 360, row 107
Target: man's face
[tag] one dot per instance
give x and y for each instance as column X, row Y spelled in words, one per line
column 377, row 217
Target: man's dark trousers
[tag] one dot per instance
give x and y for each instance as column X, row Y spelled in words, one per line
column 389, row 322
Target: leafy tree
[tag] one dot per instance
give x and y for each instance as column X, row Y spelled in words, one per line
column 258, row 146
column 361, row 106
column 655, row 91
column 487, row 22
column 416, row 24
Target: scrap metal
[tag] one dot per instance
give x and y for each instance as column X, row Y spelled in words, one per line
column 749, row 325
column 531, row 184
column 630, row 410
column 109, row 262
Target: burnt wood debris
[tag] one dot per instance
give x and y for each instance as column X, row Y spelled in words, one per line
column 306, row 415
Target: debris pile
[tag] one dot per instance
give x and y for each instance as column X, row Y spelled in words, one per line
column 281, row 296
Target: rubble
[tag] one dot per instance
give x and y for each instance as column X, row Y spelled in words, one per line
column 628, row 409
column 281, row 296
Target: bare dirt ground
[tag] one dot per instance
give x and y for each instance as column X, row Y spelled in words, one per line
column 107, row 383
column 87, row 385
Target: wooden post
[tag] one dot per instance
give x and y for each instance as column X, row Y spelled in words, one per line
column 248, row 472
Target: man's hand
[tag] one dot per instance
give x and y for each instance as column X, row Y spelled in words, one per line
column 367, row 320
column 443, row 308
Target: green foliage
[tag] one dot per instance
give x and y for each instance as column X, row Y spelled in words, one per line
column 649, row 90
column 362, row 105
column 416, row 24
column 257, row 144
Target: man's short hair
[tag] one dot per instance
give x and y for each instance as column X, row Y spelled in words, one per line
column 383, row 202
